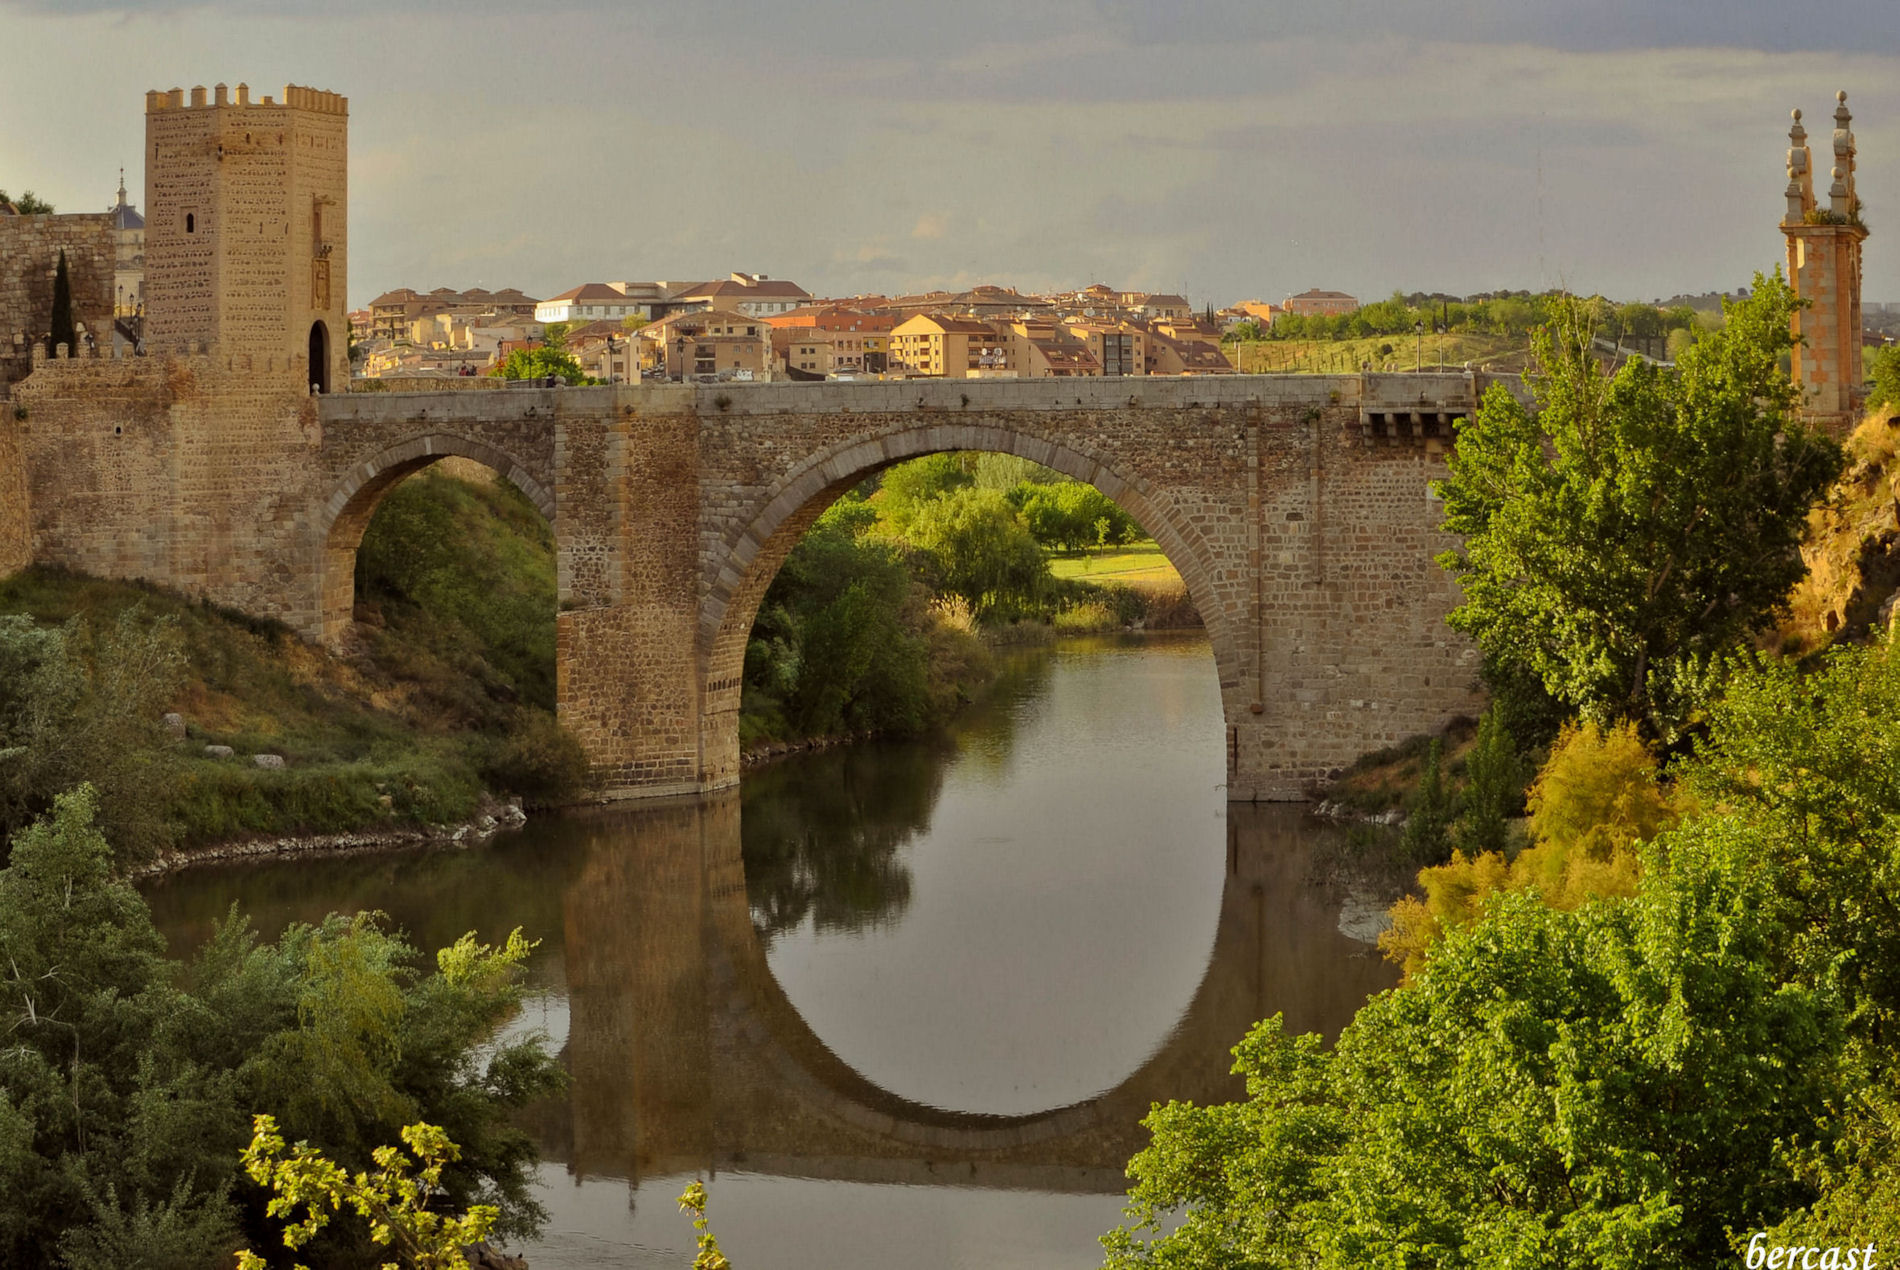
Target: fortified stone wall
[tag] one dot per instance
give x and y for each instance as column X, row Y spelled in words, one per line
column 191, row 472
column 16, row 539
column 29, row 256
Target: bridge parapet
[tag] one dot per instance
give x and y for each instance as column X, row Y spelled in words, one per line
column 1449, row 393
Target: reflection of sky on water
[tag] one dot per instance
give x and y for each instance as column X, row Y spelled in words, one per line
column 598, row 1223
column 1062, row 901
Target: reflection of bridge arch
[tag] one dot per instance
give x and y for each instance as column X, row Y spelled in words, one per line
column 724, row 1071
column 345, row 514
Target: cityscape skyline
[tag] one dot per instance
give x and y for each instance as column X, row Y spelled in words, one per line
column 1211, row 150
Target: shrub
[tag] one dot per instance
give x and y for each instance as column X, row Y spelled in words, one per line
column 1596, row 798
column 537, row 759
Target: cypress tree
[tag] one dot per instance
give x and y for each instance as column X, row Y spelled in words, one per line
column 62, row 331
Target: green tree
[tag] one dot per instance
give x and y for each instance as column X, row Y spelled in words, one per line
column 82, row 706
column 1494, row 787
column 1426, row 838
column 1635, row 528
column 540, row 363
column 124, row 1097
column 1883, row 373
column 905, row 488
column 60, row 329
column 980, row 550
column 113, row 1131
column 837, row 645
column 1609, row 1087
column 28, row 204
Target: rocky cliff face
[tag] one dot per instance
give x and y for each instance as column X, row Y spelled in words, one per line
column 1853, row 549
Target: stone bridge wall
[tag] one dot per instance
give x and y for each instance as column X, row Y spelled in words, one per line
column 1296, row 508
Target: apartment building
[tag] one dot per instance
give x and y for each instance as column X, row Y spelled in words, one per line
column 1041, row 349
column 710, row 344
column 934, row 344
column 1119, row 348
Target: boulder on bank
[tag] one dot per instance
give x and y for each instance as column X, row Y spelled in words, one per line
column 270, row 762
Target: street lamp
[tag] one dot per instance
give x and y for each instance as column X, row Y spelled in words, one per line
column 1419, row 327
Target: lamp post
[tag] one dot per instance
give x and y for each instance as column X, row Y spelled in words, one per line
column 1419, row 328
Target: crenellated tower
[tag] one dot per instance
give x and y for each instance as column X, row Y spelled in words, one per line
column 1824, row 241
column 246, row 233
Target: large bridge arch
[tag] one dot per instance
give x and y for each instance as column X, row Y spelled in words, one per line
column 345, row 514
column 749, row 558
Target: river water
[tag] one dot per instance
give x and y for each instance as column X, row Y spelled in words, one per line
column 901, row 1004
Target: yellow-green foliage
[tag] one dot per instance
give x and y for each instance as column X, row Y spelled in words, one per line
column 1596, row 798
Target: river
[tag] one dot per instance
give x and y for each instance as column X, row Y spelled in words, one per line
column 900, row 1003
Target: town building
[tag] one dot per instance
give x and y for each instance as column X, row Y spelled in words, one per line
column 707, row 344
column 753, row 294
column 1318, row 303
column 599, row 302
column 940, row 346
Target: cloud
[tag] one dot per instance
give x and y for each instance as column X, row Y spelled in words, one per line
column 1223, row 149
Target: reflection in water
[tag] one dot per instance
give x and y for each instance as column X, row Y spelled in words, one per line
column 821, row 835
column 672, row 978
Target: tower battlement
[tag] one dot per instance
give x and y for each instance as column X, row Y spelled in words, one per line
column 294, row 98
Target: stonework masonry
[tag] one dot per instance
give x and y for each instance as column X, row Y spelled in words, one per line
column 245, row 231
column 1297, row 509
column 29, row 256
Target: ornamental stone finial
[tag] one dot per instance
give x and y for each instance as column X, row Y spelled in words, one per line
column 1844, row 145
column 1800, row 192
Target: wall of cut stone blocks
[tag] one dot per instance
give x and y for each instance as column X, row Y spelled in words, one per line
column 1306, row 537
column 16, row 536
column 1824, row 266
column 29, row 257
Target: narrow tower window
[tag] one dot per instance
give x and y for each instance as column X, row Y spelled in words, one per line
column 191, row 223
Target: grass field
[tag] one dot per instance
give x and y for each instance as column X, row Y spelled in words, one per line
column 1340, row 357
column 1138, row 564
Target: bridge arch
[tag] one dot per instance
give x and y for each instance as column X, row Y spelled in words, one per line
column 752, row 555
column 345, row 514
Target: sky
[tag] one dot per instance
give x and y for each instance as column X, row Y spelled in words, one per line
column 1228, row 150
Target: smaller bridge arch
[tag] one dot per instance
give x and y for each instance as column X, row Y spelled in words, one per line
column 345, row 515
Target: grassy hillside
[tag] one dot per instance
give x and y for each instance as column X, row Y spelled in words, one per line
column 448, row 692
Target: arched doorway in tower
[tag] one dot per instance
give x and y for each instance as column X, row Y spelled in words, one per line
column 320, row 356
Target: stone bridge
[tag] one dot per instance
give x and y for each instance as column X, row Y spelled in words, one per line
column 1297, row 508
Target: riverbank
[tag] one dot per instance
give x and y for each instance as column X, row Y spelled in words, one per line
column 491, row 820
